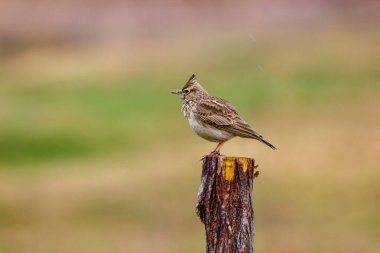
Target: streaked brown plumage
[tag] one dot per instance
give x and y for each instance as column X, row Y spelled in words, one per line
column 213, row 118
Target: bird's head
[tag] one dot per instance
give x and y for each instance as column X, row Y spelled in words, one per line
column 191, row 88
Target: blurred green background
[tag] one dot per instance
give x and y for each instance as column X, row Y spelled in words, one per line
column 95, row 155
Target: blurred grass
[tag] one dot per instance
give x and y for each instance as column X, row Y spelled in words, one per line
column 47, row 123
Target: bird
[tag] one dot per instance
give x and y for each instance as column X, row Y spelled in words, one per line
column 213, row 118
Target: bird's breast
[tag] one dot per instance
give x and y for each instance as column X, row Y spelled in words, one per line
column 206, row 131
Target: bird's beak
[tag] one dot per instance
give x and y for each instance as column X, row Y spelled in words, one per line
column 176, row 92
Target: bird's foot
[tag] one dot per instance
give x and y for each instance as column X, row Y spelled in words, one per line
column 213, row 153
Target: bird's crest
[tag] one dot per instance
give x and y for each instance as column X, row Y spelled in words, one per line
column 192, row 79
column 193, row 82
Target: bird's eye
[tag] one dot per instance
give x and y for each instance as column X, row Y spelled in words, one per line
column 186, row 91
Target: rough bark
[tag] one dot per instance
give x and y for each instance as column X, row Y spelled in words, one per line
column 225, row 203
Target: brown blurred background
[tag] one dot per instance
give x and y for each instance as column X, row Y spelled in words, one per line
column 95, row 155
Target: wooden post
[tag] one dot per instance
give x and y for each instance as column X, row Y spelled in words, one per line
column 225, row 203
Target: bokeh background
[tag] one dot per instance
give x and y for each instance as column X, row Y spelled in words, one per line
column 95, row 155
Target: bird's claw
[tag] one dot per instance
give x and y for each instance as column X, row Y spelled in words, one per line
column 213, row 153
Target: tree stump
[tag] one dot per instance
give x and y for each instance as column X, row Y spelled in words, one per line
column 225, row 203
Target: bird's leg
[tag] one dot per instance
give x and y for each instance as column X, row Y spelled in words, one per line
column 220, row 145
column 217, row 149
column 215, row 152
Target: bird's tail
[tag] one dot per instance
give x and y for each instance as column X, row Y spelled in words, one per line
column 267, row 143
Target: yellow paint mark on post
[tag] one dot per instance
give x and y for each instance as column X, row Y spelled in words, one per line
column 245, row 162
column 229, row 165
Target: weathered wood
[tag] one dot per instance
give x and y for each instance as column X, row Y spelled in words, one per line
column 225, row 203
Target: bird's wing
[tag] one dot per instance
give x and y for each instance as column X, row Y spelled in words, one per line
column 221, row 114
column 214, row 113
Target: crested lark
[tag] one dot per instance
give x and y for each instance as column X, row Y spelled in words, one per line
column 213, row 118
